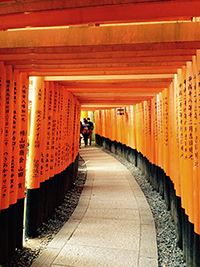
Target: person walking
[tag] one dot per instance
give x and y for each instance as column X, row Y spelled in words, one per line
column 81, row 129
column 91, row 130
column 85, row 131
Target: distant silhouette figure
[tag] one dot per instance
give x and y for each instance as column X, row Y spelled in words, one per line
column 85, row 131
column 91, row 129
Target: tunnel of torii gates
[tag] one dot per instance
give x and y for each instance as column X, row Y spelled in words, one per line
column 148, row 70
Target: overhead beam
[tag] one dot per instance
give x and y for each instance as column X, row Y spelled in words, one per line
column 138, row 83
column 121, row 35
column 109, row 77
column 104, row 106
column 101, row 71
column 114, row 89
column 13, row 7
column 110, row 95
column 30, row 67
column 142, row 48
column 177, row 54
column 110, row 102
column 49, row 14
column 119, row 61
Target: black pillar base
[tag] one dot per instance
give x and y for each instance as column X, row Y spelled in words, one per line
column 31, row 220
column 41, row 203
column 184, row 233
column 20, row 222
column 166, row 190
column 46, row 200
column 190, row 244
column 4, row 222
column 12, row 232
column 160, row 182
column 178, row 222
column 196, row 254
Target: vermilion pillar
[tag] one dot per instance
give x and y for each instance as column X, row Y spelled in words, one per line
column 33, row 183
column 59, row 135
column 165, row 94
column 65, row 103
column 2, row 117
column 62, row 142
column 3, row 213
column 22, row 83
column 78, row 115
column 183, row 166
column 51, row 116
column 7, row 146
column 156, row 128
column 189, row 132
column 15, row 139
column 160, row 131
column 149, row 129
column 49, row 159
column 55, row 123
column 13, row 219
column 73, row 127
column 48, row 133
column 43, row 137
column 145, row 129
column 195, row 119
column 68, row 128
column 170, row 133
column 153, row 131
column 176, row 134
column 71, row 119
column 197, row 152
column 46, row 149
column 42, row 190
column 196, row 147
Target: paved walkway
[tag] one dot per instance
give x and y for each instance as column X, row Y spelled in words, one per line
column 112, row 225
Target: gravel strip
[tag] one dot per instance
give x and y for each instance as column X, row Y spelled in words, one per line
column 34, row 247
column 168, row 252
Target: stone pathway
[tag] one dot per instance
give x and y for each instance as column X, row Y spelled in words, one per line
column 112, row 225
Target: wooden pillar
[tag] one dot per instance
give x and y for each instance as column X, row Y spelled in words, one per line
column 14, row 164
column 195, row 119
column 78, row 126
column 46, row 150
column 23, row 87
column 49, row 166
column 7, row 211
column 57, row 160
column 54, row 148
column 196, row 146
column 4, row 215
column 33, row 183
column 42, row 174
column 63, row 136
column 189, row 106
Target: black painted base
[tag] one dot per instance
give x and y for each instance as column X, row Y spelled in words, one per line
column 32, row 212
column 12, row 232
column 4, row 222
column 20, row 223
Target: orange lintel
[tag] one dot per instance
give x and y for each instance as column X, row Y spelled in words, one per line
column 121, row 35
column 164, row 10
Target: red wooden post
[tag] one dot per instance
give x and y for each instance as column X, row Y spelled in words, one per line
column 23, row 85
column 33, row 183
